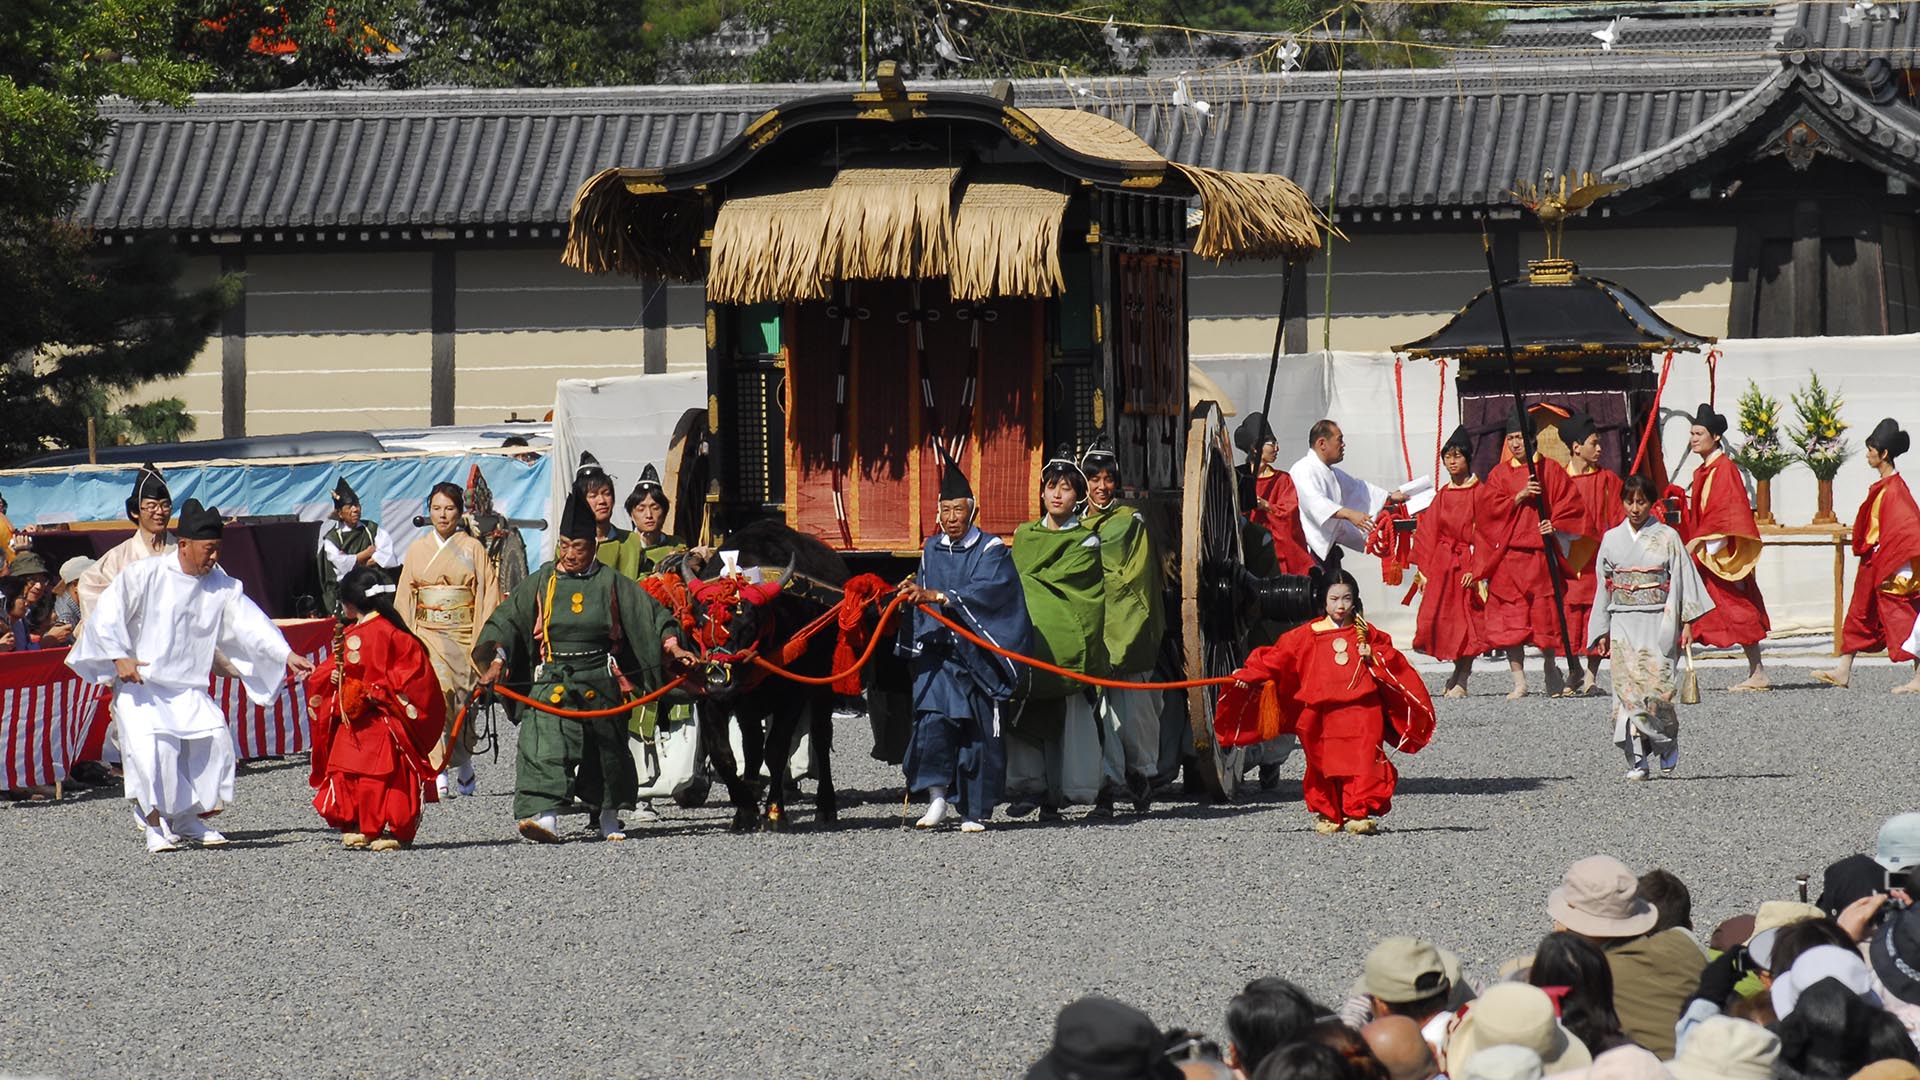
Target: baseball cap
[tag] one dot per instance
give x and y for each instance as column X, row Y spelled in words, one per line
column 1899, row 845
column 1403, row 969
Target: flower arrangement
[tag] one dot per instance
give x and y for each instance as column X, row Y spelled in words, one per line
column 1762, row 452
column 1821, row 435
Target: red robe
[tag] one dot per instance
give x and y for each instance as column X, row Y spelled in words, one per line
column 1314, row 684
column 1509, row 554
column 1718, row 511
column 1886, row 536
column 1599, row 493
column 1281, row 519
column 371, row 737
column 1449, row 624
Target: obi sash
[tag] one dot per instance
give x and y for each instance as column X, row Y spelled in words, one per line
column 444, row 607
column 1640, row 588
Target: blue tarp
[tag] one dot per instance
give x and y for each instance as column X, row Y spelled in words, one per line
column 392, row 490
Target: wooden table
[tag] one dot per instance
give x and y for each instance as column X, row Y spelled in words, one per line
column 1837, row 536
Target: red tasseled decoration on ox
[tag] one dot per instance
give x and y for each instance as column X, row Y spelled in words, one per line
column 861, row 592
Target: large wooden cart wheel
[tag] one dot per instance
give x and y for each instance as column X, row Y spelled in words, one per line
column 1215, row 622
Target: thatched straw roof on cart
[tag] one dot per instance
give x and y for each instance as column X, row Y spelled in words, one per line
column 991, row 229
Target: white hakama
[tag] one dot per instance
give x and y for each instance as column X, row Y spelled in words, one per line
column 178, row 752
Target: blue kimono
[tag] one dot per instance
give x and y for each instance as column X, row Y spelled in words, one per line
column 958, row 687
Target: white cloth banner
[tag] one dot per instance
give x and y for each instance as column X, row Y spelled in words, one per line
column 625, row 422
column 1874, row 375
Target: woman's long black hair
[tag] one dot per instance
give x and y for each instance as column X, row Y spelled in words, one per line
column 355, row 589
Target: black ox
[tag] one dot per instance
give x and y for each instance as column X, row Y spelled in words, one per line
column 803, row 579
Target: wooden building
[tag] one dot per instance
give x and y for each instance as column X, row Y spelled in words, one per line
column 411, row 240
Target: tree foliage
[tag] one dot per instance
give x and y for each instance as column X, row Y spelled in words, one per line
column 78, row 331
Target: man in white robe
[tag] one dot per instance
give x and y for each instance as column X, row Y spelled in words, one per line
column 1336, row 510
column 152, row 636
column 149, row 507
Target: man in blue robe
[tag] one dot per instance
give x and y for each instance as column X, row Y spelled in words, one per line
column 958, row 752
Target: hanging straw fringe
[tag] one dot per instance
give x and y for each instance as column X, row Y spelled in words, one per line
column 611, row 229
column 889, row 223
column 1253, row 215
column 1006, row 240
column 768, row 247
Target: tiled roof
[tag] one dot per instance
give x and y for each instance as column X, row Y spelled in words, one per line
column 1435, row 139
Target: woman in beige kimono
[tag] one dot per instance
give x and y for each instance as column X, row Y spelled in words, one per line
column 447, row 590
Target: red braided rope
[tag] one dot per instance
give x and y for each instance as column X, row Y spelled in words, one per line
column 1117, row 684
column 1400, row 404
column 628, row 706
column 1440, row 418
column 1653, row 415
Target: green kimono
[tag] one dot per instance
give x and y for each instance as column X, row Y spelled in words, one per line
column 559, row 631
column 651, row 555
column 621, row 550
column 1135, row 617
column 1061, row 576
column 646, row 718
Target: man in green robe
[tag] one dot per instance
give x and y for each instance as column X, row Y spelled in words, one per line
column 1135, row 621
column 1053, row 749
column 351, row 543
column 583, row 637
column 647, row 508
column 616, row 545
column 669, row 742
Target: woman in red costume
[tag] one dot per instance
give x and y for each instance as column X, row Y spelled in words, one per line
column 1448, row 627
column 1341, row 686
column 1275, row 506
column 378, row 715
column 1720, row 534
column 1599, row 491
column 1517, row 514
column 1886, row 536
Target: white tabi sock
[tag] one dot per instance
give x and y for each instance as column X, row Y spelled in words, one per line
column 610, row 823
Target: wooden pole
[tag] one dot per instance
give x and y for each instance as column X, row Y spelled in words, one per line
column 1279, row 337
column 93, row 452
column 1548, row 541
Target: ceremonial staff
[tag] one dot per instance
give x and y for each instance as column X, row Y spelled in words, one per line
column 1526, row 433
column 1279, row 336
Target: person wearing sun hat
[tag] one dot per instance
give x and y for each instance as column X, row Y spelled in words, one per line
column 1515, row 1014
column 1654, row 972
column 1724, row 1048
column 1893, row 946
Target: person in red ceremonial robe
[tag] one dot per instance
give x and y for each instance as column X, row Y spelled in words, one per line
column 1886, row 594
column 1275, row 505
column 1449, row 623
column 378, row 716
column 1340, row 686
column 1599, row 491
column 1517, row 514
column 1720, row 534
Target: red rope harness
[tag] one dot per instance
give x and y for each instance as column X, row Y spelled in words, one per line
column 627, row 706
column 1094, row 680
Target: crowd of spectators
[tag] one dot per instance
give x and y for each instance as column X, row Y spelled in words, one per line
column 1621, row 988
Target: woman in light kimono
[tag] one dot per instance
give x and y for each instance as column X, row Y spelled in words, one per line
column 446, row 590
column 1648, row 595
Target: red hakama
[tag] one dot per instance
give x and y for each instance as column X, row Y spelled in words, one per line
column 1599, row 493
column 1449, row 624
column 1718, row 513
column 1281, row 519
column 372, row 735
column 1886, row 536
column 1510, row 555
column 1342, row 708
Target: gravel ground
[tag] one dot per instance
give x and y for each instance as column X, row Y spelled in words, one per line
column 874, row 950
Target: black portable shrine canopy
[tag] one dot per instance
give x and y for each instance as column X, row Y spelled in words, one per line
column 1579, row 344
